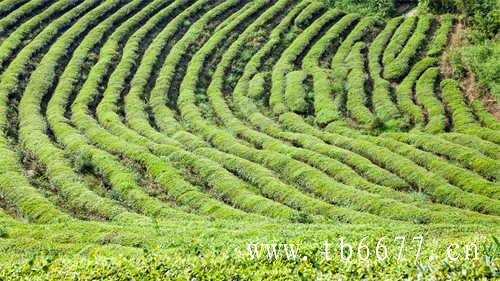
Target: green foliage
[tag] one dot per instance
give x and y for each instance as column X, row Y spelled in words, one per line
column 487, row 148
column 438, row 43
column 384, row 107
column 428, row 182
column 458, row 176
column 482, row 16
column 425, row 95
column 398, row 39
column 301, row 218
column 295, row 92
column 404, row 92
column 208, row 124
column 356, row 93
column 327, row 105
column 285, row 62
column 381, row 8
column 470, row 158
column 482, row 61
column 257, row 86
column 399, row 67
column 307, row 14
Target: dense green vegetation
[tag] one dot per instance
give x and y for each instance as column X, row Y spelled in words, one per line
column 159, row 139
column 480, row 51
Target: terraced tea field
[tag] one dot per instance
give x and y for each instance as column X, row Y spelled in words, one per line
column 189, row 127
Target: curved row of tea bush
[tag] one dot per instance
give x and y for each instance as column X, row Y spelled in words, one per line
column 468, row 157
column 458, row 176
column 309, row 176
column 295, row 92
column 487, row 148
column 404, row 92
column 288, row 57
column 426, row 96
column 401, row 64
column 357, row 79
column 122, row 181
column 250, row 110
column 163, row 171
column 273, row 189
column 382, row 102
column 193, row 107
column 426, row 181
column 399, row 39
column 463, row 117
column 440, row 40
column 218, row 103
column 24, row 196
column 325, row 107
column 32, row 128
column 18, row 38
column 9, row 22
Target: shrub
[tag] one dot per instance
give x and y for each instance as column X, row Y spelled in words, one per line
column 295, row 92
column 402, row 63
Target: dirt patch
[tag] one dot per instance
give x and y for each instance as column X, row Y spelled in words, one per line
column 411, row 12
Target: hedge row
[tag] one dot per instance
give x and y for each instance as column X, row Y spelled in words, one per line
column 379, row 44
column 237, row 93
column 365, row 26
column 224, row 183
column 468, row 157
column 107, row 109
column 8, row 6
column 293, row 170
column 16, row 190
column 233, row 189
column 463, row 118
column 287, row 58
column 404, row 92
column 15, row 187
column 295, row 92
column 270, row 187
column 248, row 109
column 401, row 64
column 428, row 182
column 356, row 94
column 440, row 40
column 425, row 96
column 218, row 75
column 398, row 40
column 158, row 99
column 485, row 147
column 32, row 126
column 219, row 138
column 17, row 39
column 484, row 115
column 274, row 188
column 458, row 176
column 122, row 181
column 383, row 105
column 257, row 86
column 295, row 123
column 166, row 175
column 309, row 13
column 326, row 110
column 9, row 22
